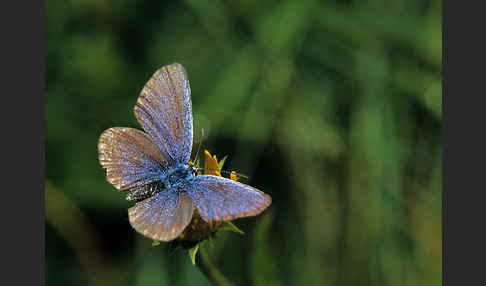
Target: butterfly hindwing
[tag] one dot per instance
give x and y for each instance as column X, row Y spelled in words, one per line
column 164, row 110
column 129, row 157
column 164, row 216
column 219, row 198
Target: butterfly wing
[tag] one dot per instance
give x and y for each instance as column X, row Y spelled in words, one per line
column 162, row 217
column 218, row 198
column 164, row 110
column 129, row 157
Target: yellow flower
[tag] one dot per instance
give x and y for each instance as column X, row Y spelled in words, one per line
column 198, row 229
column 211, row 164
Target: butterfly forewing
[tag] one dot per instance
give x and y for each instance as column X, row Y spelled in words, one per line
column 165, row 112
column 129, row 157
column 218, row 198
column 162, row 217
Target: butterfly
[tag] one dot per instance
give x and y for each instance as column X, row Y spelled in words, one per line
column 153, row 165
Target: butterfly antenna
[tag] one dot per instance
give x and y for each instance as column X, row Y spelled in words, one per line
column 199, row 146
column 225, row 172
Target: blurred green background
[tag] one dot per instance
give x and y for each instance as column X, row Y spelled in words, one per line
column 333, row 108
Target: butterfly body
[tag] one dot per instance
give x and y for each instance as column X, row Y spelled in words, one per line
column 153, row 166
column 174, row 178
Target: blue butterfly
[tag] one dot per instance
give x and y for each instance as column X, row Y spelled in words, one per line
column 153, row 166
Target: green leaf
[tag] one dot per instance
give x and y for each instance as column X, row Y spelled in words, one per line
column 155, row 243
column 192, row 254
column 231, row 227
column 221, row 163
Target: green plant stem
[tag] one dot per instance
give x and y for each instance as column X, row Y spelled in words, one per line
column 211, row 272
